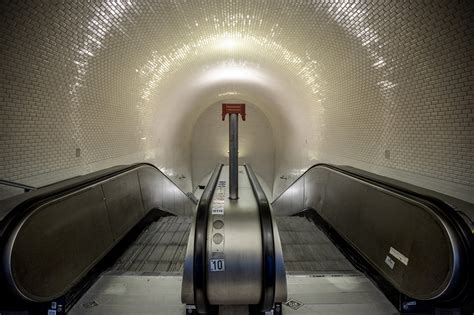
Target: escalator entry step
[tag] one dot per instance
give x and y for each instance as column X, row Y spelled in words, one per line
column 161, row 247
column 306, row 249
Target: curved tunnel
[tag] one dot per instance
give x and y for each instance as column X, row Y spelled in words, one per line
column 382, row 86
column 384, row 89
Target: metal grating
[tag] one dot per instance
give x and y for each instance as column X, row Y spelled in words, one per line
column 161, row 247
column 306, row 249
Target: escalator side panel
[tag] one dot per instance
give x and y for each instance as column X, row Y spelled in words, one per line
column 124, row 203
column 404, row 239
column 52, row 239
column 42, row 266
column 160, row 192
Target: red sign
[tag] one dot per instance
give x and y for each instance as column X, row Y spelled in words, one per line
column 233, row 109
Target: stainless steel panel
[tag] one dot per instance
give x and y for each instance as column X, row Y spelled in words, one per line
column 168, row 198
column 160, row 190
column 151, row 182
column 233, row 156
column 161, row 193
column 54, row 247
column 61, row 240
column 375, row 220
column 124, row 202
column 280, row 269
column 178, row 197
column 187, row 287
column 298, row 191
column 241, row 249
column 240, row 282
column 292, row 200
column 315, row 188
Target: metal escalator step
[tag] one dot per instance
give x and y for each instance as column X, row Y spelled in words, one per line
column 307, row 249
column 161, row 247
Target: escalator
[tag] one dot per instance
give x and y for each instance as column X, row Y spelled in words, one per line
column 119, row 240
column 160, row 248
column 56, row 240
column 415, row 244
column 307, row 249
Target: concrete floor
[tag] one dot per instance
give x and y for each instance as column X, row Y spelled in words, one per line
column 161, row 294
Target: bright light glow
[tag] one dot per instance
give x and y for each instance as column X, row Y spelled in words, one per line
column 227, row 43
column 227, row 94
column 233, row 72
column 159, row 65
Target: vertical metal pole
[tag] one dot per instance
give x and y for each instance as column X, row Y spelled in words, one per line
column 234, row 156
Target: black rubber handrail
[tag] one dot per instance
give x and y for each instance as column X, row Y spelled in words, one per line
column 268, row 243
column 200, row 244
column 440, row 207
column 33, row 199
column 26, row 188
column 376, row 179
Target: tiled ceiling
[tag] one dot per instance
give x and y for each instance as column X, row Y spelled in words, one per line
column 382, row 85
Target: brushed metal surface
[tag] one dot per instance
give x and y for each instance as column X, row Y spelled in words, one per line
column 267, row 225
column 160, row 192
column 373, row 220
column 187, row 288
column 60, row 240
column 280, row 269
column 124, row 202
column 151, row 185
column 240, row 282
column 46, row 256
column 233, row 156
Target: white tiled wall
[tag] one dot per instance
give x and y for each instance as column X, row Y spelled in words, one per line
column 386, row 86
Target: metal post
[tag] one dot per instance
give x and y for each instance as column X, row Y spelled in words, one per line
column 234, row 110
column 234, row 156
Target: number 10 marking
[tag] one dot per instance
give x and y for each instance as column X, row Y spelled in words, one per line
column 217, row 264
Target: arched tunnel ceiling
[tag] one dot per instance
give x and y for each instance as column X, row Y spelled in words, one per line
column 381, row 85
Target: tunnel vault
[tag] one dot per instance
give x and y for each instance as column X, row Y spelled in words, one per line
column 382, row 86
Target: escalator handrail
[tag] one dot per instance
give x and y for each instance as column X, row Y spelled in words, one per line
column 443, row 209
column 268, row 243
column 200, row 243
column 26, row 202
column 81, row 181
column 378, row 180
column 76, row 183
column 9, row 183
column 20, row 207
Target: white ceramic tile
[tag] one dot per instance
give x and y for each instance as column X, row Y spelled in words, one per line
column 382, row 85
